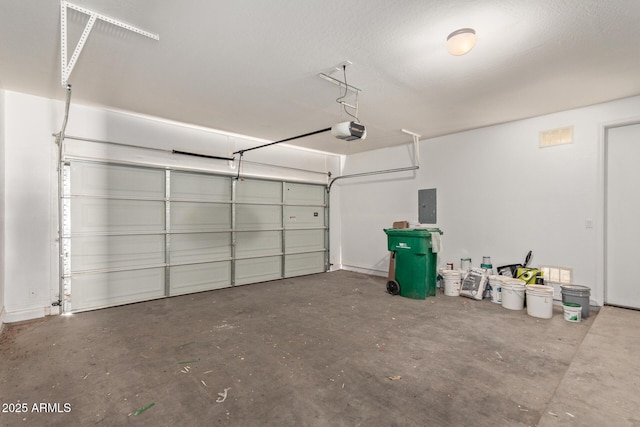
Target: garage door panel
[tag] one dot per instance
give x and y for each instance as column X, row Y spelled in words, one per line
column 258, row 191
column 116, row 181
column 109, row 215
column 198, row 247
column 193, row 186
column 123, row 224
column 304, row 194
column 258, row 270
column 258, row 243
column 303, row 216
column 258, row 217
column 304, row 240
column 103, row 252
column 187, row 216
column 300, row 264
column 200, row 277
column 91, row 291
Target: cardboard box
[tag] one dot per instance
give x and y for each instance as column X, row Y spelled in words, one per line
column 401, row 224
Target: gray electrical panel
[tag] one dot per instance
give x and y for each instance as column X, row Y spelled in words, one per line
column 427, row 212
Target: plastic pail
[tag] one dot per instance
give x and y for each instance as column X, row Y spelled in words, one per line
column 578, row 294
column 513, row 294
column 496, row 288
column 572, row 311
column 540, row 301
column 452, row 282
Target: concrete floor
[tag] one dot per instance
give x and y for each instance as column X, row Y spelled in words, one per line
column 324, row 350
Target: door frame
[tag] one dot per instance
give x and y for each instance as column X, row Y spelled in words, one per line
column 601, row 256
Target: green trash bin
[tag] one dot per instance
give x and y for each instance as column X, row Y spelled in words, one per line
column 415, row 260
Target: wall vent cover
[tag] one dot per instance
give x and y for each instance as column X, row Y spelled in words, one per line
column 551, row 137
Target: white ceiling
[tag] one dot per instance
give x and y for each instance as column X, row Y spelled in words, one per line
column 251, row 66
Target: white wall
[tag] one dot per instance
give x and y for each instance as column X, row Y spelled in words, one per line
column 29, row 239
column 30, row 223
column 498, row 194
column 2, row 230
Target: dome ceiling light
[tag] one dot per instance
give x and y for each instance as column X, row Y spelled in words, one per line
column 461, row 41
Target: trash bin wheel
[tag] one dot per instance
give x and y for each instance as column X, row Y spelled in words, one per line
column 393, row 287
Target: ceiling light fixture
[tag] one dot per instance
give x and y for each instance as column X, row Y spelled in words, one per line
column 461, row 41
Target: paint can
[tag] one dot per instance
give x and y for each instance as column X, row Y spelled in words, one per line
column 495, row 282
column 513, row 294
column 578, row 294
column 540, row 301
column 452, row 282
column 572, row 311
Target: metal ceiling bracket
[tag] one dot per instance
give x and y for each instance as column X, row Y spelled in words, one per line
column 67, row 68
column 339, row 68
column 339, row 83
column 416, row 146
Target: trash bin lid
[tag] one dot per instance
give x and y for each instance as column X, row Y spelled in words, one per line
column 411, row 232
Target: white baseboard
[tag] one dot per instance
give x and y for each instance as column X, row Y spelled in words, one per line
column 20, row 316
column 364, row 270
column 2, row 316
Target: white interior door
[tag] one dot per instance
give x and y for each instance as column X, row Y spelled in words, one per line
column 622, row 215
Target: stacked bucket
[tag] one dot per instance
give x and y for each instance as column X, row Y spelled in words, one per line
column 575, row 302
column 511, row 292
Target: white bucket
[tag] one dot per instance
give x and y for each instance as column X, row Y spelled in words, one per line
column 540, row 301
column 513, row 294
column 452, row 282
column 572, row 311
column 496, row 288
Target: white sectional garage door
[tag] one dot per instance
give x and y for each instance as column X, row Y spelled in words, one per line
column 136, row 233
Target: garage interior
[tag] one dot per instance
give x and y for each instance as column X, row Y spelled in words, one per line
column 194, row 197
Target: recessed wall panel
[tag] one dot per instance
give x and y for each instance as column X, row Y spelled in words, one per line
column 304, row 240
column 89, row 215
column 300, row 264
column 258, row 217
column 303, row 216
column 198, row 247
column 91, row 291
column 197, row 186
column 304, row 194
column 258, row 243
column 97, row 179
column 200, row 277
column 187, row 216
column 103, row 252
column 258, row 191
column 258, row 270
